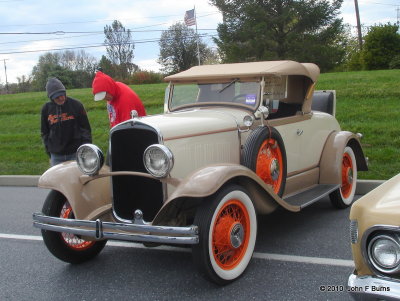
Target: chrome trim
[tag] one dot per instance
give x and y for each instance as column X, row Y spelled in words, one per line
column 353, row 231
column 167, row 152
column 364, row 246
column 140, row 231
column 373, row 258
column 99, row 154
column 373, row 288
column 160, row 141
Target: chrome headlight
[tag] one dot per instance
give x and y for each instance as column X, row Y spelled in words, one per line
column 248, row 120
column 90, row 159
column 158, row 160
column 384, row 253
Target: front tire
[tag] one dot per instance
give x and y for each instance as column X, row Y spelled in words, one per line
column 227, row 234
column 66, row 246
column 344, row 196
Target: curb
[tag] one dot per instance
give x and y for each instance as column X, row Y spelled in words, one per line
column 363, row 186
column 29, row 181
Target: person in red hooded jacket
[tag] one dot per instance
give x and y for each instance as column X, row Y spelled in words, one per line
column 121, row 99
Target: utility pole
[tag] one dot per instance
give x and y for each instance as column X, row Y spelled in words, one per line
column 358, row 25
column 5, row 71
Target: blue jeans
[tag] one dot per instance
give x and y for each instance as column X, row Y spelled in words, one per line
column 57, row 159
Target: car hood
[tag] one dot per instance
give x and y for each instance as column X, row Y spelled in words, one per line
column 380, row 206
column 195, row 122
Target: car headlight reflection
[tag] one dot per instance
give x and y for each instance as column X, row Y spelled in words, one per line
column 384, row 253
column 89, row 159
column 158, row 160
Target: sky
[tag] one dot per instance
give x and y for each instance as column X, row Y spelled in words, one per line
column 30, row 28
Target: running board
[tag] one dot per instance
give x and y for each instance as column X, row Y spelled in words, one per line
column 310, row 196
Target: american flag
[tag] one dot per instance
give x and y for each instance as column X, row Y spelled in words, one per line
column 189, row 18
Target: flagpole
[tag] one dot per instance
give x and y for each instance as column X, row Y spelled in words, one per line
column 197, row 35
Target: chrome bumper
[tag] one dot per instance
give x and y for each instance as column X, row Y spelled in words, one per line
column 138, row 231
column 373, row 288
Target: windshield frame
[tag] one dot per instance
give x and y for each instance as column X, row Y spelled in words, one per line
column 226, row 82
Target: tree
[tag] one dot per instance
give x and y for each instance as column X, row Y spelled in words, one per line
column 106, row 66
column 178, row 49
column 74, row 69
column 302, row 30
column 382, row 44
column 120, row 48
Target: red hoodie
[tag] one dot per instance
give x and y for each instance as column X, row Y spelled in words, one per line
column 124, row 98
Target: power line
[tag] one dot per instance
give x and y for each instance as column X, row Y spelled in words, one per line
column 107, row 20
column 92, row 46
column 87, row 32
column 380, row 3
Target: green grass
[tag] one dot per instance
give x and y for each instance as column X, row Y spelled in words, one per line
column 367, row 102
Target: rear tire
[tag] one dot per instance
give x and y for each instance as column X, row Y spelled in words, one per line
column 227, row 234
column 344, row 196
column 66, row 246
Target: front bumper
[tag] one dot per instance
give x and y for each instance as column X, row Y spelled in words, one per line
column 138, row 231
column 373, row 288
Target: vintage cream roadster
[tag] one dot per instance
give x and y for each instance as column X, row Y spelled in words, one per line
column 375, row 242
column 235, row 141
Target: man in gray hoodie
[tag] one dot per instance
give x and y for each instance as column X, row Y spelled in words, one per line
column 64, row 124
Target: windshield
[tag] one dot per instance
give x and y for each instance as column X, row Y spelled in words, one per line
column 232, row 92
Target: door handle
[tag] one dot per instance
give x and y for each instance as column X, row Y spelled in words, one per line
column 299, row 132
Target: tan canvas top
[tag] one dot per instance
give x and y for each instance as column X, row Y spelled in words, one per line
column 240, row 70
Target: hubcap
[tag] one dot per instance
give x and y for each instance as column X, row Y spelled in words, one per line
column 237, row 235
column 274, row 169
column 350, row 175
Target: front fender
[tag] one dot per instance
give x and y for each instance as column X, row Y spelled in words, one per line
column 208, row 180
column 88, row 200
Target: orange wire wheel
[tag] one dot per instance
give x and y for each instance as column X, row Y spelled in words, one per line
column 71, row 240
column 270, row 164
column 343, row 196
column 67, row 246
column 347, row 175
column 264, row 153
column 230, row 236
column 227, row 225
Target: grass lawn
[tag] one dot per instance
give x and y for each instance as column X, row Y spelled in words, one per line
column 367, row 102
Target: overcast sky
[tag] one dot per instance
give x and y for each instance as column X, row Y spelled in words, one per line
column 27, row 26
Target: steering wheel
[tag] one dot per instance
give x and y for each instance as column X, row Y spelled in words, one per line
column 239, row 98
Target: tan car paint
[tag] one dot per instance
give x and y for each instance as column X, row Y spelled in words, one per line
column 88, row 201
column 381, row 206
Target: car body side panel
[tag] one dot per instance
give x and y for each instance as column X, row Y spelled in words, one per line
column 89, row 200
column 304, row 140
column 192, row 153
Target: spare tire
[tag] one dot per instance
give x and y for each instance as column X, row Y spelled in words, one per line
column 264, row 153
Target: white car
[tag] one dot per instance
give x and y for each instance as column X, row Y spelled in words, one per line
column 235, row 141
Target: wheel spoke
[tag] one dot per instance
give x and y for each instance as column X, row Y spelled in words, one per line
column 270, row 155
column 228, row 217
column 71, row 240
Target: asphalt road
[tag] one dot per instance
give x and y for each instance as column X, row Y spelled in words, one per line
column 296, row 255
